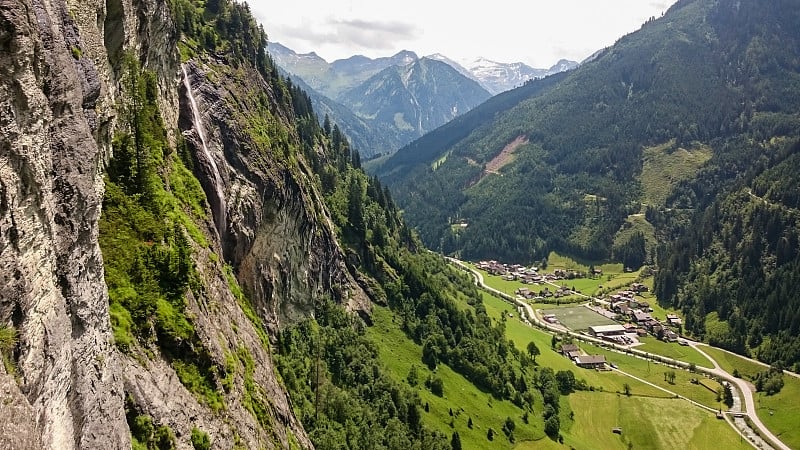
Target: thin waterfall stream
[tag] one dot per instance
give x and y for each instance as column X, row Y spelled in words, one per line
column 218, row 209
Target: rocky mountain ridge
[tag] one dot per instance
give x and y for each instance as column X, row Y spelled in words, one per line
column 494, row 76
column 413, row 99
column 382, row 104
column 499, row 77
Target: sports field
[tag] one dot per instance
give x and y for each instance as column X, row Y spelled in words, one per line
column 578, row 318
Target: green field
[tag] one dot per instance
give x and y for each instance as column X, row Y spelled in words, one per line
column 703, row 392
column 652, row 423
column 673, row 350
column 578, row 318
column 785, row 411
column 521, row 334
column 730, row 362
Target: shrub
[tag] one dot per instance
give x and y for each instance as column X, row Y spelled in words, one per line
column 200, row 439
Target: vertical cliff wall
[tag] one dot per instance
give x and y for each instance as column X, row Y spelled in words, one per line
column 60, row 97
column 52, row 289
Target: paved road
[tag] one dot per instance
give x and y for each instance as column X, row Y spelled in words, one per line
column 747, row 389
column 743, row 386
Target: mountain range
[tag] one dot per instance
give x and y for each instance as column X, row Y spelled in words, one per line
column 497, row 77
column 331, row 78
column 394, row 100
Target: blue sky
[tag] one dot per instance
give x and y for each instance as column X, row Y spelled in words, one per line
column 536, row 32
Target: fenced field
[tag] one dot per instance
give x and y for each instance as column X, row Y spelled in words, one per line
column 578, row 318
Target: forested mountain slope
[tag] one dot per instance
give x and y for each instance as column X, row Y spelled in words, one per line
column 363, row 137
column 678, row 122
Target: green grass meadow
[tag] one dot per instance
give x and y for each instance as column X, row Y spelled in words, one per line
column 703, row 392
column 730, row 362
column 665, row 166
column 781, row 412
column 673, row 350
column 646, row 423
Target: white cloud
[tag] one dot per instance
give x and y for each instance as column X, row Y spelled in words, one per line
column 538, row 32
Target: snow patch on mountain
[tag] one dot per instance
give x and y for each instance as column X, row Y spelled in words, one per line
column 498, row 77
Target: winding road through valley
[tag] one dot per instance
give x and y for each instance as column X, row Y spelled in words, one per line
column 745, row 388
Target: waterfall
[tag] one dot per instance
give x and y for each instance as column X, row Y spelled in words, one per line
column 218, row 206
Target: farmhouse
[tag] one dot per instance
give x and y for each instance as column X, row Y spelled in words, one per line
column 622, row 308
column 674, row 320
column 640, row 316
column 568, row 348
column 653, row 326
column 591, row 361
column 493, row 267
column 606, row 330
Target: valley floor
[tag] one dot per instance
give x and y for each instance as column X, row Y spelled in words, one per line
column 753, row 423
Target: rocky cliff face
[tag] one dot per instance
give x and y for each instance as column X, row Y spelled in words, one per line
column 52, row 288
column 277, row 234
column 59, row 91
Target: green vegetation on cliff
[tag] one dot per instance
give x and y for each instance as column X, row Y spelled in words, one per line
column 146, row 232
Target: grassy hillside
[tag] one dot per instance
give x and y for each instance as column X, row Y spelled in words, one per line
column 645, row 423
column 664, row 166
column 650, row 418
column 465, row 400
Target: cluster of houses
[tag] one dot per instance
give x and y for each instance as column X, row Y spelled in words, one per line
column 636, row 313
column 543, row 293
column 526, row 275
column 575, row 354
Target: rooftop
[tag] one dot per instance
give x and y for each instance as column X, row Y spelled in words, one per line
column 606, row 328
column 591, row 359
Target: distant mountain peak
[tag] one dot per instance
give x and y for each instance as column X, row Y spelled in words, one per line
column 499, row 77
column 406, row 54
